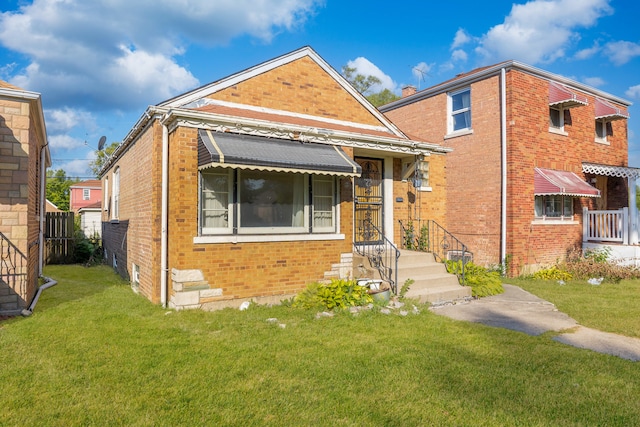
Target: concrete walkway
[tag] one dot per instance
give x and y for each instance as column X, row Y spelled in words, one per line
column 518, row 310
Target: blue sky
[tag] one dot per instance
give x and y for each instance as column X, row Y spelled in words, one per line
column 99, row 63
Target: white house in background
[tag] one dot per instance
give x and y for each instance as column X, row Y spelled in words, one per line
column 90, row 220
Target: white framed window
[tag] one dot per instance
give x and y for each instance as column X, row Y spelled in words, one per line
column 115, row 210
column 603, row 130
column 554, row 206
column 105, row 203
column 86, row 193
column 135, row 276
column 324, row 211
column 558, row 119
column 262, row 202
column 459, row 106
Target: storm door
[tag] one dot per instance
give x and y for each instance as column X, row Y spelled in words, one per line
column 368, row 202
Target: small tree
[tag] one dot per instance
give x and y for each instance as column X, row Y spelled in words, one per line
column 57, row 188
column 363, row 84
column 101, row 158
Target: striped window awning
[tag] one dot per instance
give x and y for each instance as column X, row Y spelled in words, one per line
column 551, row 182
column 219, row 149
column 607, row 111
column 562, row 96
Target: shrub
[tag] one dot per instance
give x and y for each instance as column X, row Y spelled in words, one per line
column 552, row 273
column 483, row 282
column 339, row 293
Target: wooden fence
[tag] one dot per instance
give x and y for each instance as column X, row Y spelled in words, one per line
column 59, row 236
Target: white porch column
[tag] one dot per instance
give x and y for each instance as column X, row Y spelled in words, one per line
column 633, row 212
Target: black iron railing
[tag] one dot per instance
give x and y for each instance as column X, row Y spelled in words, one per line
column 12, row 264
column 429, row 236
column 381, row 253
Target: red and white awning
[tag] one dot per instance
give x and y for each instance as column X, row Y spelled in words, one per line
column 606, row 110
column 549, row 182
column 560, row 95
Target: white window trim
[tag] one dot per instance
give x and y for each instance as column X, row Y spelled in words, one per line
column 560, row 129
column 270, row 234
column 554, row 219
column 86, row 194
column 105, row 204
column 599, row 139
column 115, row 208
column 464, row 131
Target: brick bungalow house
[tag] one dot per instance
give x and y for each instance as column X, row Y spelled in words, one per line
column 531, row 152
column 257, row 184
column 24, row 157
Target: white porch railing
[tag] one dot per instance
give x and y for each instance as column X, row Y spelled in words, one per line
column 606, row 226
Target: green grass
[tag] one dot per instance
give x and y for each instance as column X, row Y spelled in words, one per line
column 94, row 353
column 610, row 307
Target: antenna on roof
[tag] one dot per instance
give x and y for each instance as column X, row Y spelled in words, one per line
column 101, row 143
column 422, row 72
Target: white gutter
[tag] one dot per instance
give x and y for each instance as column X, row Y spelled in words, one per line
column 503, row 153
column 164, row 216
column 43, row 207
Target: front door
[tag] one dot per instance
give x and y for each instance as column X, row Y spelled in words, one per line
column 368, row 202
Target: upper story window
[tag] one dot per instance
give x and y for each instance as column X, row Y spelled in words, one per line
column 606, row 113
column 86, row 194
column 561, row 100
column 603, row 129
column 115, row 209
column 459, row 103
column 261, row 202
column 105, row 203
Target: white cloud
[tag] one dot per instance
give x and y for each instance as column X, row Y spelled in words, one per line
column 621, row 52
column 65, row 119
column 587, row 53
column 594, row 81
column 460, row 39
column 99, row 54
column 633, row 92
column 459, row 55
column 541, row 30
column 65, row 142
column 367, row 68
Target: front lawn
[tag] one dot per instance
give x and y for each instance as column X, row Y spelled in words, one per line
column 610, row 307
column 94, row 353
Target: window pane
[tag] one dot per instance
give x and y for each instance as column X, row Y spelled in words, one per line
column 600, row 129
column 553, row 206
column 215, row 199
column 539, row 206
column 323, row 202
column 271, row 199
column 554, row 118
column 462, row 120
column 568, row 206
column 461, row 100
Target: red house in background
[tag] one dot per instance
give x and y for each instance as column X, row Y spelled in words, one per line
column 84, row 194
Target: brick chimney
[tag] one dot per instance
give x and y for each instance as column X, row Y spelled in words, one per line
column 408, row 91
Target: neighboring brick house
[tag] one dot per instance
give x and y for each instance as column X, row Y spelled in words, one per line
column 244, row 188
column 85, row 200
column 527, row 145
column 24, row 157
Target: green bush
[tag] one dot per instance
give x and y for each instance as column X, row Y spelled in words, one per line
column 339, row 293
column 552, row 273
column 483, row 282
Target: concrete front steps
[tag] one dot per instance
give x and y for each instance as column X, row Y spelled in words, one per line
column 431, row 283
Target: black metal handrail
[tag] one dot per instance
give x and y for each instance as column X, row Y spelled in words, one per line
column 381, row 253
column 429, row 236
column 12, row 262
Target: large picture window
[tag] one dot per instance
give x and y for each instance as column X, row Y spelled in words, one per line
column 259, row 202
column 554, row 206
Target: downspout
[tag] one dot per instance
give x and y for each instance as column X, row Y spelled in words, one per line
column 43, row 207
column 503, row 147
column 164, row 215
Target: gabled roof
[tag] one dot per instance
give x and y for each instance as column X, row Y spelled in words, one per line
column 482, row 73
column 188, row 99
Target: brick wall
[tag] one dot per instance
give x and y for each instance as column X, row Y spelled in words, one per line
column 300, row 87
column 20, row 140
column 472, row 169
column 135, row 237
